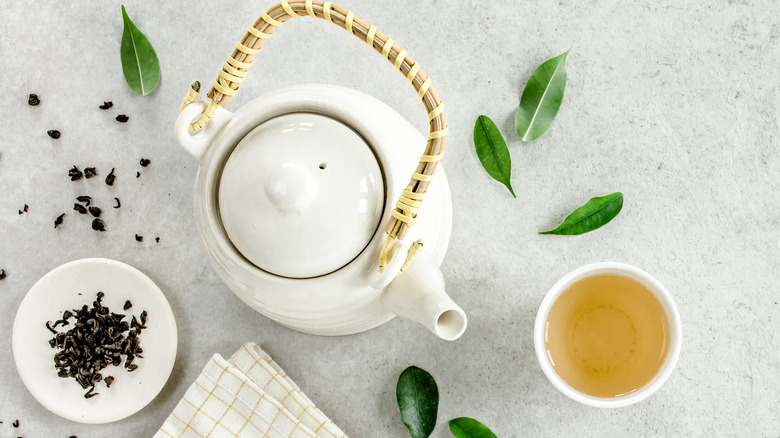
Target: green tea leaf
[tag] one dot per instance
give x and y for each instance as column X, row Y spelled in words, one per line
column 595, row 213
column 492, row 151
column 139, row 62
column 541, row 98
column 418, row 401
column 465, row 427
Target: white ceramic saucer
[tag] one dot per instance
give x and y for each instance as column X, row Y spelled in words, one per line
column 69, row 287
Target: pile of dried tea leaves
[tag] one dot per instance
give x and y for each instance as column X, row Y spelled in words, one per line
column 98, row 338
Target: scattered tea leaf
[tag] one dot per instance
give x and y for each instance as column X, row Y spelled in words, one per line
column 58, row 221
column 53, row 134
column 94, row 211
column 541, row 99
column 139, row 61
column 15, row 423
column 122, row 118
column 89, row 172
column 492, row 151
column 75, row 174
column 145, row 162
column 118, row 204
column 139, row 238
column 98, row 225
column 465, row 427
column 157, row 239
column 418, row 401
column 138, row 174
column 80, row 208
column 127, row 305
column 84, row 199
column 33, row 100
column 106, row 105
column 594, row 214
column 3, row 274
column 110, row 177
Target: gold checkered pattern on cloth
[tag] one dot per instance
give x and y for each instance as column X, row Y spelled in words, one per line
column 248, row 396
column 259, row 367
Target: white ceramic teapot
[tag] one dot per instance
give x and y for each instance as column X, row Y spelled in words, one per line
column 295, row 190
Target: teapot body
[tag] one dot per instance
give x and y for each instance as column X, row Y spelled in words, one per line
column 343, row 301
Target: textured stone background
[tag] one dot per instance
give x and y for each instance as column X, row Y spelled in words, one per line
column 674, row 103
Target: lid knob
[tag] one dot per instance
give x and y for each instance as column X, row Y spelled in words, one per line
column 290, row 187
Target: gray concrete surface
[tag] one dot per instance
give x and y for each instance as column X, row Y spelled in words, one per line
column 674, row 103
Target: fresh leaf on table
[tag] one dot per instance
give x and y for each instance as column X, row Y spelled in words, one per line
column 595, row 213
column 492, row 151
column 541, row 98
column 418, row 401
column 465, row 427
column 139, row 62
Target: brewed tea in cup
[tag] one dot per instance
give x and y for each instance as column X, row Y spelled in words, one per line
column 607, row 335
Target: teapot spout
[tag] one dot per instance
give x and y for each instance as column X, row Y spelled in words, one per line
column 418, row 294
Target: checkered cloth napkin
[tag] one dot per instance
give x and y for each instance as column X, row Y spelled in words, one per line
column 246, row 396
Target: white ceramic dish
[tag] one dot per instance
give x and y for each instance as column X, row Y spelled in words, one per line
column 59, row 290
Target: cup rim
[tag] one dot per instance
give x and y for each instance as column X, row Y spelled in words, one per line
column 655, row 287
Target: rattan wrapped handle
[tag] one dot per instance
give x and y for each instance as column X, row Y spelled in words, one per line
column 235, row 69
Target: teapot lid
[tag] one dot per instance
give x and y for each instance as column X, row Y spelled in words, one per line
column 301, row 195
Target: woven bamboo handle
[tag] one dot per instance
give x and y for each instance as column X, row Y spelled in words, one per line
column 235, row 69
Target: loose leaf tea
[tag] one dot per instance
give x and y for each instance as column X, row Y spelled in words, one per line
column 97, row 339
column 122, row 118
column 3, row 274
column 418, row 401
column 594, row 214
column 106, row 105
column 118, row 204
column 139, row 61
column 127, row 305
column 80, row 208
column 94, row 211
column 98, row 225
column 24, row 210
column 465, row 427
column 145, row 162
column 139, row 238
column 89, row 172
column 541, row 98
column 110, row 177
column 75, row 174
column 15, row 424
column 58, row 221
column 492, row 151
column 53, row 134
column 85, row 199
column 33, row 100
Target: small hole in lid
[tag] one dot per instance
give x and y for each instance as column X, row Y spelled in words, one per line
column 323, row 165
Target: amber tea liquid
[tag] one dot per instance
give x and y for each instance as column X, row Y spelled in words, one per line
column 607, row 335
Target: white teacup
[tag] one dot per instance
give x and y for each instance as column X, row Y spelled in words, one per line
column 636, row 275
